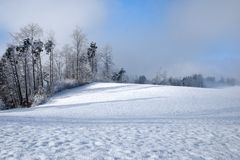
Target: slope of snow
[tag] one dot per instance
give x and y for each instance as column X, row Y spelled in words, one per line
column 110, row 100
column 126, row 121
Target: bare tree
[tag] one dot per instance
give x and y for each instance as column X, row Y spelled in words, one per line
column 60, row 65
column 106, row 58
column 69, row 59
column 79, row 39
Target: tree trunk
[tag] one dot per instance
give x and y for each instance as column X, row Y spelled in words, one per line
column 41, row 74
column 25, row 79
column 77, row 65
column 17, row 81
column 51, row 72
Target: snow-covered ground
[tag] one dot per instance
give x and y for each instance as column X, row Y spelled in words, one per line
column 126, row 121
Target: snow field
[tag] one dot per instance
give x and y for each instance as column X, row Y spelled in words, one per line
column 168, row 140
column 126, row 121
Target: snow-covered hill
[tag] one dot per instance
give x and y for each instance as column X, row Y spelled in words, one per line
column 131, row 101
column 126, row 121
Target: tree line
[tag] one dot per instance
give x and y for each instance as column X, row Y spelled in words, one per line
column 195, row 80
column 32, row 69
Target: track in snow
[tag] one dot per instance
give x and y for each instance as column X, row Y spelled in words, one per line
column 126, row 121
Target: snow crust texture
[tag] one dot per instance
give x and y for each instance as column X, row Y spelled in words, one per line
column 126, row 121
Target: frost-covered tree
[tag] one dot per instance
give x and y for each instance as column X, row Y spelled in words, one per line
column 23, row 54
column 59, row 65
column 195, row 80
column 141, row 79
column 160, row 78
column 79, row 40
column 175, row 81
column 11, row 88
column 118, row 77
column 92, row 58
column 106, row 63
column 49, row 46
column 37, row 49
column 31, row 70
column 33, row 32
column 69, row 59
column 2, row 105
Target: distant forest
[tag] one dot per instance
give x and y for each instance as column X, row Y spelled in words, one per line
column 33, row 69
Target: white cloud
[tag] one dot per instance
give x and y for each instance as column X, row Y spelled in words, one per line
column 194, row 23
column 60, row 16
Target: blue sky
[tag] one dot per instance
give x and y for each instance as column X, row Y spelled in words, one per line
column 180, row 37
